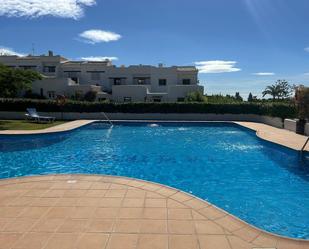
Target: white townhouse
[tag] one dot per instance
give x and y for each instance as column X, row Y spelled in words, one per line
column 136, row 83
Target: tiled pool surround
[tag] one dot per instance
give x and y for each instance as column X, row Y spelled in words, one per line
column 79, row 211
column 92, row 211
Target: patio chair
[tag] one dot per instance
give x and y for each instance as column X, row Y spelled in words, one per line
column 32, row 114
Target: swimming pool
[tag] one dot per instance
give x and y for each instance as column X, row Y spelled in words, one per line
column 264, row 184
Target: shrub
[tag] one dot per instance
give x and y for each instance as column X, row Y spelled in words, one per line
column 220, row 99
column 90, row 96
column 276, row 110
column 195, row 97
column 30, row 95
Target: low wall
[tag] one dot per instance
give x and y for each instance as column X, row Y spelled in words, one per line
column 273, row 121
column 290, row 124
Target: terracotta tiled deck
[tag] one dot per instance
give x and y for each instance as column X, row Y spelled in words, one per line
column 98, row 212
column 275, row 135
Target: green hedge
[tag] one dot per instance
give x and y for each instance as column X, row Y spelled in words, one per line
column 270, row 109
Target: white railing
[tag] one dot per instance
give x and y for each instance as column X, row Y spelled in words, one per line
column 111, row 123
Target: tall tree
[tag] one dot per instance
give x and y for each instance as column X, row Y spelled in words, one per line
column 250, row 97
column 272, row 90
column 13, row 81
column 285, row 90
column 281, row 89
column 238, row 97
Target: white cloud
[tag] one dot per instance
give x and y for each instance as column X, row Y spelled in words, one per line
column 93, row 36
column 9, row 51
column 36, row 8
column 306, row 49
column 99, row 58
column 264, row 74
column 307, row 74
column 217, row 66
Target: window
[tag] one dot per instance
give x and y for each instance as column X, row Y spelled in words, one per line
column 127, row 99
column 28, row 67
column 102, row 99
column 162, row 82
column 186, row 81
column 75, row 79
column 156, row 99
column 72, row 74
column 49, row 69
column 141, row 81
column 180, row 99
column 95, row 76
column 51, row 94
column 117, row 81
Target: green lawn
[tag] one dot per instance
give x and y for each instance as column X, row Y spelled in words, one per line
column 25, row 125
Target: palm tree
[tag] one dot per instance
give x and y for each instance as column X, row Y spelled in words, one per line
column 281, row 89
column 272, row 90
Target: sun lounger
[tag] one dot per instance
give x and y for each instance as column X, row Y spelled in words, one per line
column 32, row 114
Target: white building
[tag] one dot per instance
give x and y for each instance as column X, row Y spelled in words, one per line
column 138, row 83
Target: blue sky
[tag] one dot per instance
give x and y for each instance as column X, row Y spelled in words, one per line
column 239, row 45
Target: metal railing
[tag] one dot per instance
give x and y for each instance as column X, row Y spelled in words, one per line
column 304, row 146
column 111, row 123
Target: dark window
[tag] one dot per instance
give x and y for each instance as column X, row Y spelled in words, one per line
column 72, row 74
column 75, row 79
column 127, row 99
column 41, row 92
column 117, row 81
column 186, row 81
column 141, row 81
column 162, row 82
column 180, row 99
column 49, row 69
column 51, row 94
column 156, row 99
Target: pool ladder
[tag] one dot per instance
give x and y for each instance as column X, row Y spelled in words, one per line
column 304, row 146
column 110, row 122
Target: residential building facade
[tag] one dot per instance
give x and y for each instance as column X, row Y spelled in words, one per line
column 136, row 83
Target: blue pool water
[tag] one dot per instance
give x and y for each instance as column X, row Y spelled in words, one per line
column 262, row 183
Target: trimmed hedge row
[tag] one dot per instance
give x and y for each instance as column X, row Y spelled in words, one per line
column 269, row 109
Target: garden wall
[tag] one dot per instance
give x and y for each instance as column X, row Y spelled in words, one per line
column 273, row 121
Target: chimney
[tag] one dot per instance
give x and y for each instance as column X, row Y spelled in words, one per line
column 50, row 53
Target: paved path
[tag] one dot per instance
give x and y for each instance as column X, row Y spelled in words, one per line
column 104, row 212
column 276, row 135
